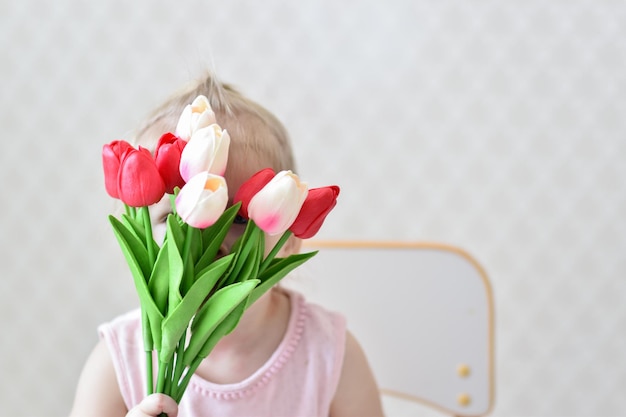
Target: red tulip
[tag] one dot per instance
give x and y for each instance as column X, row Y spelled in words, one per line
column 138, row 181
column 167, row 159
column 111, row 155
column 319, row 202
column 249, row 189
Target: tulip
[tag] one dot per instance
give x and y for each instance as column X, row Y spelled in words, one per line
column 195, row 116
column 111, row 155
column 167, row 159
column 275, row 207
column 138, row 181
column 207, row 150
column 201, row 202
column 319, row 202
column 249, row 188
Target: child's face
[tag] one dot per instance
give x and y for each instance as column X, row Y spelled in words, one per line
column 160, row 211
column 238, row 171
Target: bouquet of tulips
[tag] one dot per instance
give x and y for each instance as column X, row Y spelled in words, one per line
column 189, row 297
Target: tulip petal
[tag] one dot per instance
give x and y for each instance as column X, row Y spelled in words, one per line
column 207, row 150
column 139, row 182
column 167, row 158
column 183, row 128
column 319, row 202
column 200, row 104
column 220, row 157
column 111, row 155
column 202, row 200
column 194, row 116
column 277, row 205
column 252, row 186
column 206, row 118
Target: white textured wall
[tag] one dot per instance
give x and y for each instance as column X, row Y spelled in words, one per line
column 495, row 126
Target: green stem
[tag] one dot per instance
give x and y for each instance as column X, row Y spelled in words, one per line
column 187, row 247
column 149, row 380
column 188, row 270
column 130, row 211
column 275, row 250
column 242, row 252
column 162, row 376
column 149, row 239
column 167, row 385
column 179, row 366
column 148, row 346
column 183, row 384
column 173, row 200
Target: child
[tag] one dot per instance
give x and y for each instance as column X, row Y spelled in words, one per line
column 286, row 358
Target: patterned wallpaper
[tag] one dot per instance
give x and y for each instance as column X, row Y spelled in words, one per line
column 494, row 126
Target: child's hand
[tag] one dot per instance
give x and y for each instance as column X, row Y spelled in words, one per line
column 153, row 405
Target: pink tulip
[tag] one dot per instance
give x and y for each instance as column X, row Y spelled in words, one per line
column 277, row 205
column 207, row 150
column 167, row 158
column 202, row 200
column 248, row 189
column 195, row 116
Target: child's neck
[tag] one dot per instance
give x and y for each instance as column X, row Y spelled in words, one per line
column 242, row 352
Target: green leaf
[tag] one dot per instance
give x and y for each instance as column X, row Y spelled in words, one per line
column 146, row 332
column 176, row 267
column 178, row 319
column 214, row 312
column 134, row 225
column 160, row 279
column 249, row 240
column 137, row 247
column 176, row 233
column 251, row 263
column 188, row 273
column 277, row 271
column 195, row 250
column 221, row 226
column 173, row 199
column 152, row 329
column 225, row 326
column 137, row 226
column 212, row 237
column 275, row 250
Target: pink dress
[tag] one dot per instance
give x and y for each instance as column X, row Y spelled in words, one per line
column 299, row 379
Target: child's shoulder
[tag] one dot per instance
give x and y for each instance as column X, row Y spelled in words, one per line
column 129, row 318
column 315, row 319
column 124, row 328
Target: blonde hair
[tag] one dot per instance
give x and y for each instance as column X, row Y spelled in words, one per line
column 258, row 139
